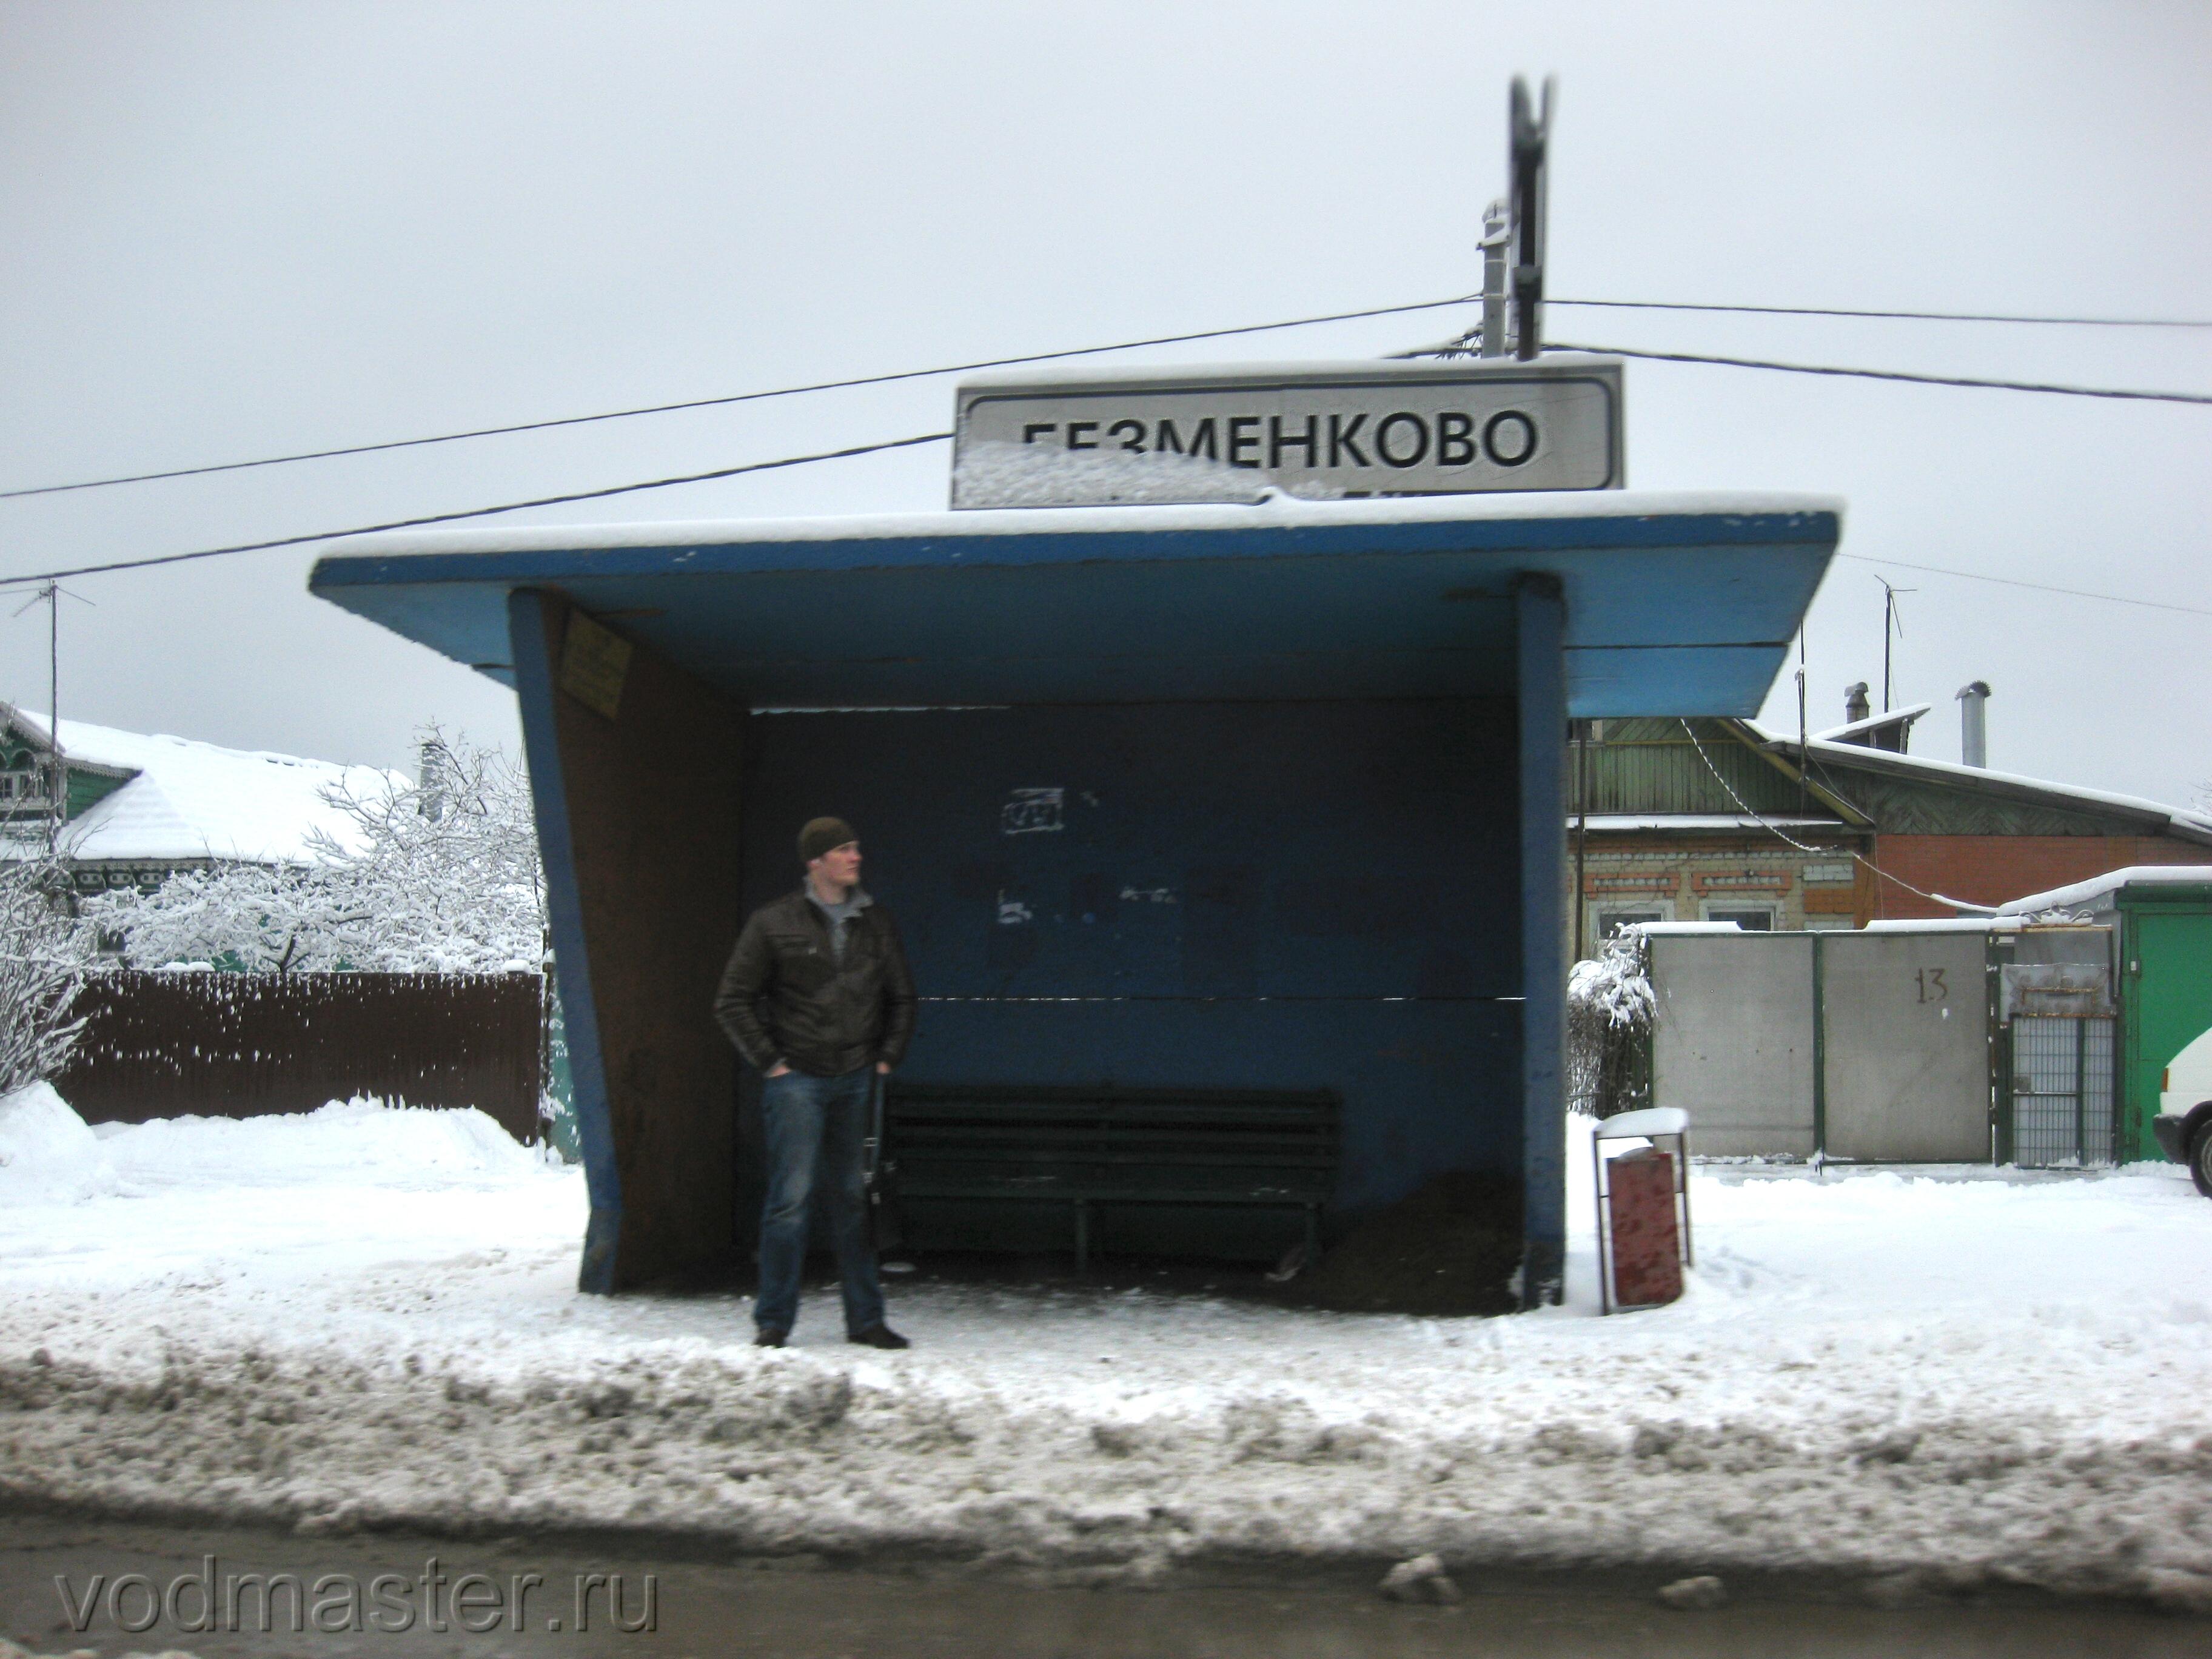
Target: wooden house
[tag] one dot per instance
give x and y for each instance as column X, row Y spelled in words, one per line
column 1717, row 819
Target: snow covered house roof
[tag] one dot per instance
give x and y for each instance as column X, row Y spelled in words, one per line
column 2147, row 816
column 1606, row 823
column 1866, row 732
column 182, row 799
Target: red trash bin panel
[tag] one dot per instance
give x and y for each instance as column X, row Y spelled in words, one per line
column 1647, row 1259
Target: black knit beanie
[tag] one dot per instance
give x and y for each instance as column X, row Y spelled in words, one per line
column 823, row 836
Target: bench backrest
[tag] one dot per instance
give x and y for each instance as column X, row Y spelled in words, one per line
column 1290, row 1137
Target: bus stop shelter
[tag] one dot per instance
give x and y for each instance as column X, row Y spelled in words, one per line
column 1228, row 796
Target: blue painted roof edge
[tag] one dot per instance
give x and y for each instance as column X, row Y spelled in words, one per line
column 1557, row 523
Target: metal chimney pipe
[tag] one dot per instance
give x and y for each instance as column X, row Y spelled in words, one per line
column 431, row 766
column 1973, row 727
column 1856, row 706
column 1496, row 237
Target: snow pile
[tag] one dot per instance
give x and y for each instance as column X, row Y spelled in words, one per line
column 360, row 1141
column 47, row 1155
column 1947, row 1381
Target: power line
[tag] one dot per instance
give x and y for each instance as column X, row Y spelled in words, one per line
column 1896, row 375
column 869, row 449
column 1906, row 316
column 474, row 512
column 1222, row 333
column 1211, row 334
column 734, row 397
column 1817, row 852
column 2040, row 587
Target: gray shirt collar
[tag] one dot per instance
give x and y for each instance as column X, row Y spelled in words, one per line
column 858, row 902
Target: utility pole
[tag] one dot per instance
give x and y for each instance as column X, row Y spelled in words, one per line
column 59, row 781
column 50, row 593
column 1583, row 733
column 1513, row 239
column 1528, row 133
column 1804, row 749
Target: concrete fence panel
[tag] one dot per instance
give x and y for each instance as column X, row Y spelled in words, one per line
column 1734, row 1042
column 1906, row 1047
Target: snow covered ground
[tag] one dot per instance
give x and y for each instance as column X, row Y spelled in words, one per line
column 1931, row 1379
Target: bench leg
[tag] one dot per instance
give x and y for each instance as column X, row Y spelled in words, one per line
column 1082, row 1237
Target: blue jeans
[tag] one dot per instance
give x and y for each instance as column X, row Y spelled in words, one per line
column 815, row 1124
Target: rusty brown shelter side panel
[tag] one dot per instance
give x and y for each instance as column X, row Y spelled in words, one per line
column 652, row 794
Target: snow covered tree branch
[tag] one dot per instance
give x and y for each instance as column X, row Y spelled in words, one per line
column 439, row 877
column 1611, row 1010
column 42, row 964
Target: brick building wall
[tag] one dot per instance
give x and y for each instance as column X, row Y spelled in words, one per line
column 1680, row 879
column 1995, row 869
column 1689, row 879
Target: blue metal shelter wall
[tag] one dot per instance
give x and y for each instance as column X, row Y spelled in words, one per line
column 1248, row 895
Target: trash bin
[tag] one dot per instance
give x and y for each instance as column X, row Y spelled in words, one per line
column 1643, row 1208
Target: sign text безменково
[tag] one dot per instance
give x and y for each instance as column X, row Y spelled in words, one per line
column 1360, row 431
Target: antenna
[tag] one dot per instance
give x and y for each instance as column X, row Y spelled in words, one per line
column 51, row 594
column 1891, row 618
column 1804, row 749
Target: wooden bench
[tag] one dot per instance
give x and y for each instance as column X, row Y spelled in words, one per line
column 1088, row 1146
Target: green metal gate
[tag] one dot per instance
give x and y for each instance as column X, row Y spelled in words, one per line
column 2168, row 995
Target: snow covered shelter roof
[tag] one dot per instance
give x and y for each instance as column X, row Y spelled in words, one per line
column 185, row 799
column 1675, row 604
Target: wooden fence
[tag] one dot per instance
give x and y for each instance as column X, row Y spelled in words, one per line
column 241, row 1045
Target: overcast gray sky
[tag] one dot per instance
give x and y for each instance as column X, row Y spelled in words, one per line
column 236, row 230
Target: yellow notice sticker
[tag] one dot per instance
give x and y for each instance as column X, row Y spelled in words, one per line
column 594, row 662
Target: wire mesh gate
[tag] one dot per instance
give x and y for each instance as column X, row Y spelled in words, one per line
column 2062, row 1091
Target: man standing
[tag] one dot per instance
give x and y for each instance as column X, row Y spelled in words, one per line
column 817, row 995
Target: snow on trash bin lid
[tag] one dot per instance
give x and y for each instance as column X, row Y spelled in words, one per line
column 1652, row 1121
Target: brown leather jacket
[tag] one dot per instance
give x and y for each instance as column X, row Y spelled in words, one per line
column 787, row 997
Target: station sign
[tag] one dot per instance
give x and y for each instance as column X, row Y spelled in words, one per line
column 1323, row 431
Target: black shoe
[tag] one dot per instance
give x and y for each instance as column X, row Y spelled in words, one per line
column 767, row 1337
column 879, row 1336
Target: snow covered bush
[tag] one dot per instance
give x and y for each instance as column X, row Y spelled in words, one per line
column 1610, row 1013
column 42, row 962
column 445, row 879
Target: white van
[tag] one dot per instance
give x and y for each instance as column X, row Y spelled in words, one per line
column 2184, row 1123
